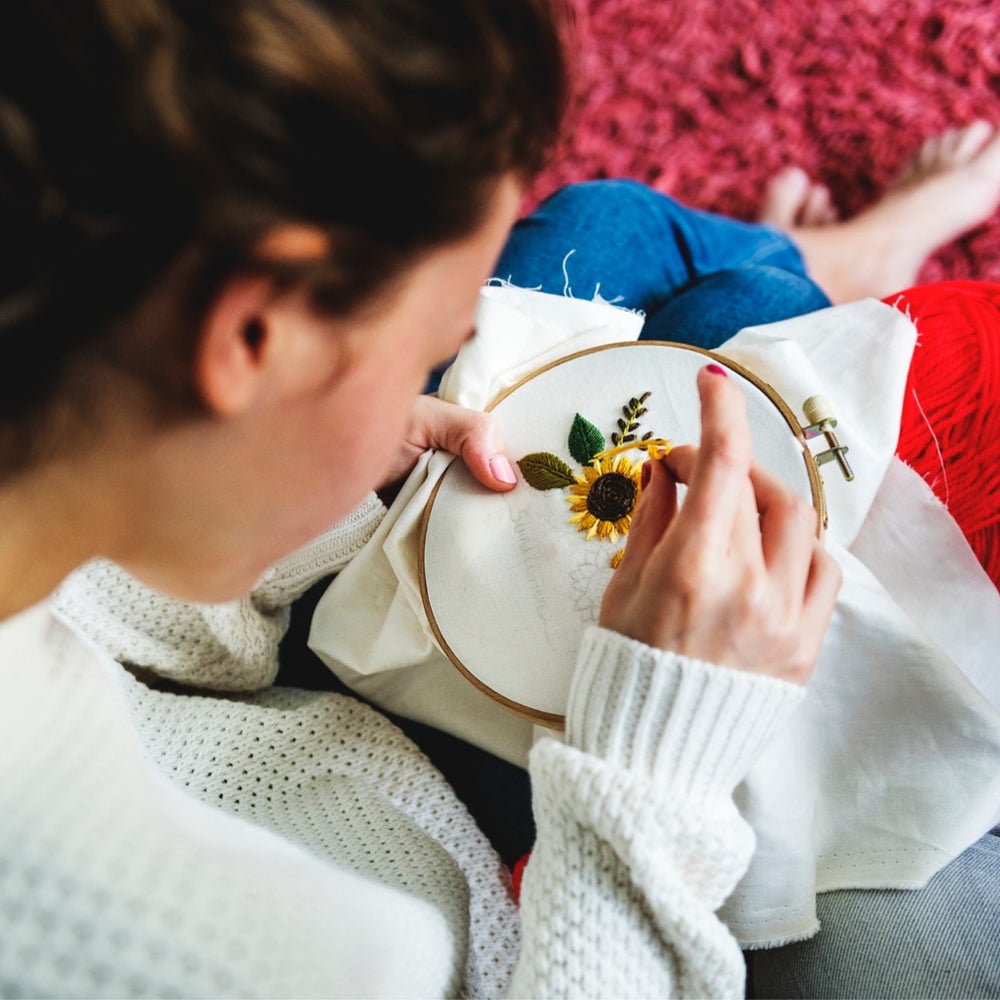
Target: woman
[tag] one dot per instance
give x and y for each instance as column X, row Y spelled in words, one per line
column 245, row 233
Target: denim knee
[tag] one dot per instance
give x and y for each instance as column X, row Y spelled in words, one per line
column 718, row 306
column 619, row 202
column 618, row 192
column 616, row 237
column 935, row 942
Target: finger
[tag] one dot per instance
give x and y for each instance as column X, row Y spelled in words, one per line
column 787, row 527
column 767, row 488
column 822, row 587
column 723, row 459
column 475, row 436
column 745, row 540
column 680, row 462
column 771, row 522
column 745, row 535
column 655, row 510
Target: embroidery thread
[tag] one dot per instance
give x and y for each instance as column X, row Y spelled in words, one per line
column 603, row 496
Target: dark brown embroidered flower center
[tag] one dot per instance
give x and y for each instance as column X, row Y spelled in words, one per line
column 612, row 496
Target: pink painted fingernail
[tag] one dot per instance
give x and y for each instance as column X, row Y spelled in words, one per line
column 647, row 473
column 502, row 469
column 716, row 370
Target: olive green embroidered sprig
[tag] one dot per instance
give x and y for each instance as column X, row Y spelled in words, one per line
column 603, row 496
column 628, row 422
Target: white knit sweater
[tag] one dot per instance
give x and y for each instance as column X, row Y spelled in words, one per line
column 288, row 843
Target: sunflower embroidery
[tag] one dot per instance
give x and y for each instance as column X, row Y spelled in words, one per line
column 603, row 496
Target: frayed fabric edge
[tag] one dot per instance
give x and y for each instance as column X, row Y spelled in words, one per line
column 780, row 942
column 497, row 282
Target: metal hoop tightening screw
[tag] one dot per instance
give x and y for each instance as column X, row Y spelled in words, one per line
column 819, row 412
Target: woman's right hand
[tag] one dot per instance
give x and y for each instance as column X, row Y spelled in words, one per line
column 736, row 576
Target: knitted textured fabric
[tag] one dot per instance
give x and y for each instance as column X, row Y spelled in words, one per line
column 225, row 752
column 220, row 647
column 113, row 882
column 706, row 100
column 333, row 775
column 950, row 427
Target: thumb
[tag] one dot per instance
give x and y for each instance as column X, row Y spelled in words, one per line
column 475, row 436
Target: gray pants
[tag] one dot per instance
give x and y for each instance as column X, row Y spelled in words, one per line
column 942, row 941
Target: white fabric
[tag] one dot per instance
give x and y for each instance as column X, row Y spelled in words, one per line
column 520, row 331
column 891, row 769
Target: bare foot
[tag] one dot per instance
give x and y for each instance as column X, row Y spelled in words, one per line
column 951, row 185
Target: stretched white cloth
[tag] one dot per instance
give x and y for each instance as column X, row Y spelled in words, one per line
column 892, row 767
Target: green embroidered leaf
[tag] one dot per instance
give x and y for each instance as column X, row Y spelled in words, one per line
column 585, row 440
column 545, row 471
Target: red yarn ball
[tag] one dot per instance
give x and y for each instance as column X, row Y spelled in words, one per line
column 950, row 427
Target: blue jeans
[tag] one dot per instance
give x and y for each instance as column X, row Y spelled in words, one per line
column 698, row 277
column 937, row 943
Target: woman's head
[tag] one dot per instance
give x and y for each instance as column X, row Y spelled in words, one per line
column 148, row 147
column 242, row 231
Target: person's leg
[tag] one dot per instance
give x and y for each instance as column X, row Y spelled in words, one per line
column 942, row 941
column 716, row 307
column 632, row 246
column 698, row 277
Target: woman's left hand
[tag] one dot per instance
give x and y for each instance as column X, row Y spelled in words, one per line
column 476, row 437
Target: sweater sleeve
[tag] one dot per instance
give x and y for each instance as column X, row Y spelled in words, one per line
column 639, row 841
column 223, row 647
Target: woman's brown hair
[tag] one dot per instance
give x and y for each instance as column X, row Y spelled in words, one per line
column 135, row 134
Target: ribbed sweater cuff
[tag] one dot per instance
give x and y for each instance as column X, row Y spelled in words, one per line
column 685, row 723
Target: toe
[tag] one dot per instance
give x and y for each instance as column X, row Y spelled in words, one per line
column 785, row 196
column 929, row 155
column 971, row 140
column 984, row 170
column 948, row 142
column 817, row 210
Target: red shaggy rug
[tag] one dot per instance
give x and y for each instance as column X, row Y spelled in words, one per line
column 706, row 99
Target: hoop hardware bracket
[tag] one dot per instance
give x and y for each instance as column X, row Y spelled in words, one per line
column 819, row 412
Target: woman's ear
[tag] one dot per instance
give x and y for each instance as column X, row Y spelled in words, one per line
column 232, row 346
column 237, row 336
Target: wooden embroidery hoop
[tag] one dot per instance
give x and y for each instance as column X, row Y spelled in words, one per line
column 474, row 652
